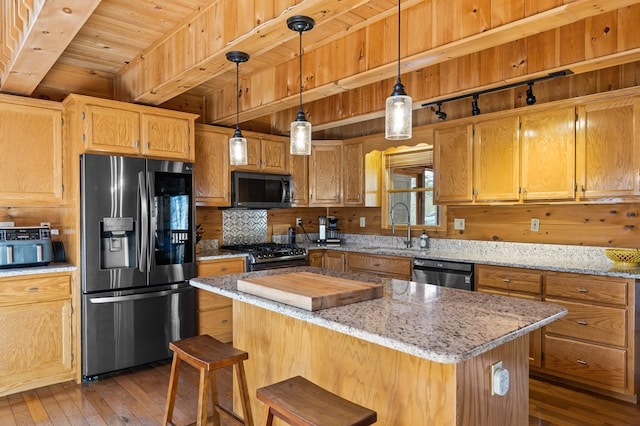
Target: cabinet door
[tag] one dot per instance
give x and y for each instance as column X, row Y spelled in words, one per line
column 353, row 174
column 325, row 174
column 111, row 130
column 453, row 156
column 316, row 258
column 547, row 143
column 334, row 260
column 212, row 168
column 299, row 169
column 609, row 148
column 274, row 153
column 167, row 137
column 496, row 160
column 31, row 153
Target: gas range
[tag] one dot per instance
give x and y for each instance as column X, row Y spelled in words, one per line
column 271, row 255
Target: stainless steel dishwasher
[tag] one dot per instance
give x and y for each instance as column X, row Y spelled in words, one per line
column 443, row 273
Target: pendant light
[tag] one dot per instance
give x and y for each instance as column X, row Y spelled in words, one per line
column 397, row 123
column 238, row 143
column 300, row 143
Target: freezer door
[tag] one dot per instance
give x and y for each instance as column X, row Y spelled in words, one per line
column 172, row 235
column 111, row 222
column 125, row 329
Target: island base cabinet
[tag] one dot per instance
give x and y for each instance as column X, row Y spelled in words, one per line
column 403, row 389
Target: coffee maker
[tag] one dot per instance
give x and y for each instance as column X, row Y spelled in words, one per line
column 333, row 233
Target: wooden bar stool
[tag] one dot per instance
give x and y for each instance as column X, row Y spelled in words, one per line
column 300, row 402
column 208, row 354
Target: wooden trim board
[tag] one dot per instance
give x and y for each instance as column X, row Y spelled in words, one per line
column 310, row 291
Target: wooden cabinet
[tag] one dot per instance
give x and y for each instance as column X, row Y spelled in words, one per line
column 335, row 260
column 105, row 126
column 212, row 181
column 31, row 151
column 496, row 160
column 215, row 312
column 595, row 343
column 608, row 151
column 267, row 154
column 515, row 282
column 353, row 174
column 386, row 266
column 453, row 158
column 547, row 154
column 316, row 258
column 36, row 331
column 325, row 174
column 299, row 170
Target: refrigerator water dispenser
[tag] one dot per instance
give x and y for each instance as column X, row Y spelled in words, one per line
column 117, row 243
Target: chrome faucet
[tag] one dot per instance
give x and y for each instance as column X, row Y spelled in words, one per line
column 407, row 243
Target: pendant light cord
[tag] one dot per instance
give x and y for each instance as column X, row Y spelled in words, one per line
column 300, row 57
column 399, row 41
column 237, row 96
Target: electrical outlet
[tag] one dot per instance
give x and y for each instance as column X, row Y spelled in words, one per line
column 45, row 224
column 298, row 221
column 7, row 224
column 535, row 224
column 458, row 224
column 362, row 222
column 499, row 379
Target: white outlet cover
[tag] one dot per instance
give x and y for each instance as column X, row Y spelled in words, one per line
column 458, row 224
column 362, row 222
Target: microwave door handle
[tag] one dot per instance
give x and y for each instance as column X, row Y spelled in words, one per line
column 144, row 226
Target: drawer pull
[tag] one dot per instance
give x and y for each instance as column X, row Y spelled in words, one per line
column 223, row 269
column 376, row 264
column 583, row 290
column 506, row 280
column 33, row 289
column 224, row 321
column 581, row 361
column 582, row 322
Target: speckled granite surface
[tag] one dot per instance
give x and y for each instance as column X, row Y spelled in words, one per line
column 52, row 267
column 439, row 324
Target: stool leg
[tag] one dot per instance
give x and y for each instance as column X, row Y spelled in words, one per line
column 244, row 393
column 213, row 390
column 203, row 397
column 173, row 389
column 267, row 416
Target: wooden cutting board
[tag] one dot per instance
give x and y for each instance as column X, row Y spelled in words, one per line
column 310, row 291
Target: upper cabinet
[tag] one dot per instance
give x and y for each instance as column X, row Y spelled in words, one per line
column 299, row 170
column 510, row 158
column 106, row 126
column 353, row 174
column 31, row 151
column 212, row 166
column 325, row 174
column 266, row 154
column 608, row 153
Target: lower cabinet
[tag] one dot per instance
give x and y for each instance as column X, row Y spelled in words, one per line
column 387, row 266
column 594, row 345
column 215, row 316
column 334, row 260
column 36, row 331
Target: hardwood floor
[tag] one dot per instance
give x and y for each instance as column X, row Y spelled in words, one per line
column 137, row 397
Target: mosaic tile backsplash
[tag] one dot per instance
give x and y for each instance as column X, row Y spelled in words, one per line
column 244, row 226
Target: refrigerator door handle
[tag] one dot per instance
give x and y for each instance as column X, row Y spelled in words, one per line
column 144, row 227
column 127, row 298
column 151, row 219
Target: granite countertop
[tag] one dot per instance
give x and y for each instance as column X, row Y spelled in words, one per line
column 436, row 323
column 212, row 254
column 48, row 269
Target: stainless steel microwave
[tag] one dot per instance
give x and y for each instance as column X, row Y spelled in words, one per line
column 260, row 190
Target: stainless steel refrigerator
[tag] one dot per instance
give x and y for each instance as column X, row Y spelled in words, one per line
column 138, row 253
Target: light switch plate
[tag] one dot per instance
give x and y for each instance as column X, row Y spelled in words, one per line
column 362, row 222
column 458, row 224
column 535, row 224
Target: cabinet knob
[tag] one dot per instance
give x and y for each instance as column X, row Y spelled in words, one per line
column 581, row 361
column 583, row 290
column 582, row 322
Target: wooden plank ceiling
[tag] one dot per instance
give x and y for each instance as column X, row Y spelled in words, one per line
column 162, row 52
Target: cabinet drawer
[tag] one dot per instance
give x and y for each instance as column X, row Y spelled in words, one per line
column 207, row 300
column 597, row 324
column 232, row 265
column 586, row 363
column 587, row 288
column 34, row 288
column 386, row 265
column 509, row 279
column 217, row 323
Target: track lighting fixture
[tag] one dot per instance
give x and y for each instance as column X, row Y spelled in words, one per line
column 474, row 106
column 531, row 99
column 237, row 144
column 397, row 122
column 300, row 137
column 440, row 114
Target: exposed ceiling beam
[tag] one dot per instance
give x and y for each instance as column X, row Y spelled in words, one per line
column 516, row 30
column 47, row 34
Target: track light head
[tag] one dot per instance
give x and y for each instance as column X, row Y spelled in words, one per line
column 440, row 114
column 474, row 106
column 531, row 99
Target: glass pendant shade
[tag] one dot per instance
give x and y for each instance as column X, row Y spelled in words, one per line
column 397, row 123
column 300, row 142
column 238, row 149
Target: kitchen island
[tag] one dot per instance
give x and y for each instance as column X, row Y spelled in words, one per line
column 419, row 355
